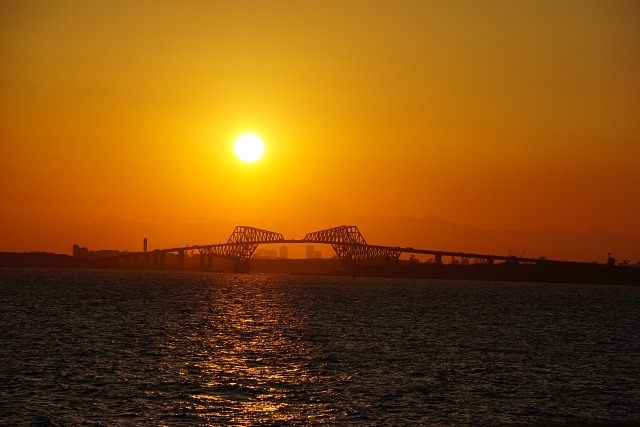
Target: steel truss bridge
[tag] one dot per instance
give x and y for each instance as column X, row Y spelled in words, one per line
column 347, row 242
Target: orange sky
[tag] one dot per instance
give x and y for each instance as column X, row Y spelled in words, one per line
column 491, row 114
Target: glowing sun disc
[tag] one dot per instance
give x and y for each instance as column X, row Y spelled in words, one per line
column 248, row 147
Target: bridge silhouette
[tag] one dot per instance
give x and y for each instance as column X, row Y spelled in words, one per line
column 348, row 243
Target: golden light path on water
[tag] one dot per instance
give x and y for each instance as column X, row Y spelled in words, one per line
column 245, row 358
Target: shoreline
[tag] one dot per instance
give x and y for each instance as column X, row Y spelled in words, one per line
column 551, row 272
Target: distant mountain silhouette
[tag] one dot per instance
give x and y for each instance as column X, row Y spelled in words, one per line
column 121, row 234
column 436, row 233
column 297, row 212
column 306, row 211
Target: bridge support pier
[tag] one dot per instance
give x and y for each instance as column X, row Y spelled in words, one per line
column 490, row 260
column 181, row 259
column 163, row 259
column 349, row 267
column 438, row 258
column 241, row 266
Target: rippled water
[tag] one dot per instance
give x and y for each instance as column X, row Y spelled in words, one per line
column 117, row 348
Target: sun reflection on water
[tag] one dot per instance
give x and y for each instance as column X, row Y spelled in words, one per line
column 245, row 357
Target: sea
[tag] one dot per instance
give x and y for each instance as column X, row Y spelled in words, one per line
column 145, row 348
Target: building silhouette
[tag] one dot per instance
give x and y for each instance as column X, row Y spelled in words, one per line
column 80, row 252
column 284, row 252
column 265, row 253
column 312, row 253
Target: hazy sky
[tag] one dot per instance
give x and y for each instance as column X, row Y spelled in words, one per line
column 491, row 114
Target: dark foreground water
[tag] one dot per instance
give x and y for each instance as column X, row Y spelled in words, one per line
column 111, row 348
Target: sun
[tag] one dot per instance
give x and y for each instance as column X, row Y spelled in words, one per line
column 248, row 147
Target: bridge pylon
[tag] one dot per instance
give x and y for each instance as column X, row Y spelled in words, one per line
column 241, row 244
column 350, row 245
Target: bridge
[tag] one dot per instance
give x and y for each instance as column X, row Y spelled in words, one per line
column 347, row 242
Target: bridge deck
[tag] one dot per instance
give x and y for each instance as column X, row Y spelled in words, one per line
column 399, row 249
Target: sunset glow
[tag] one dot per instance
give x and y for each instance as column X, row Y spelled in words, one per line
column 117, row 122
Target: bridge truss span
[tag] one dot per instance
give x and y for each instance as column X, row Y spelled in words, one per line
column 245, row 234
column 342, row 234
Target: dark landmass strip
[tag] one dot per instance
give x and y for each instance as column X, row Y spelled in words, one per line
column 43, row 260
column 547, row 272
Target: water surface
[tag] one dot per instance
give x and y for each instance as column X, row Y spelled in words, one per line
column 121, row 348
